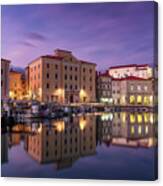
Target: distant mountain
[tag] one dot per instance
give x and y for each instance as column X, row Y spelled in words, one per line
column 19, row 69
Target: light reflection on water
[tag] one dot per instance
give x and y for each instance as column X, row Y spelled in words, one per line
column 81, row 146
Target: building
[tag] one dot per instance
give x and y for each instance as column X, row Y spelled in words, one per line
column 5, row 64
column 141, row 71
column 17, row 89
column 104, row 88
column 132, row 91
column 61, row 78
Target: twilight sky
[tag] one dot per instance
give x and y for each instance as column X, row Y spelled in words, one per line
column 105, row 33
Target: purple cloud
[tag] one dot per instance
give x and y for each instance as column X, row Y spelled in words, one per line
column 28, row 44
column 35, row 36
column 105, row 33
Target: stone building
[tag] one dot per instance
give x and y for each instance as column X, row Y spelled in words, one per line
column 104, row 88
column 132, row 91
column 17, row 86
column 5, row 64
column 61, row 78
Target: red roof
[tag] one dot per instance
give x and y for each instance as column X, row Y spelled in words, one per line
column 86, row 62
column 62, row 50
column 52, row 57
column 131, row 78
column 126, row 66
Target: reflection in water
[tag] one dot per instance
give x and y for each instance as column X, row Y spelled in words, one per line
column 64, row 141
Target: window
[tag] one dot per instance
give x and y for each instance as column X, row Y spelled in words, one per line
column 47, row 75
column 70, row 87
column 56, row 76
column 139, row 99
column 56, row 66
column 90, row 79
column 56, row 86
column 76, row 69
column 38, row 65
column 47, row 65
column 90, row 88
column 65, row 86
column 47, row 85
column 90, row 70
column 139, row 88
column 83, row 78
column 83, row 87
column 132, row 99
column 65, row 67
column 76, row 78
column 65, row 76
column 131, row 87
column 145, row 88
column 1, row 71
column 71, row 68
column 70, row 77
column 83, row 69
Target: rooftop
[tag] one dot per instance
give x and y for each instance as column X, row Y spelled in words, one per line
column 128, row 66
column 6, row 60
column 131, row 78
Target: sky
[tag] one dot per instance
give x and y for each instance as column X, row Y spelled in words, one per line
column 107, row 34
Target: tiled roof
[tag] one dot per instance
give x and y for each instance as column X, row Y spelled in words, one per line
column 52, row 57
column 130, row 78
column 62, row 50
column 86, row 62
column 126, row 66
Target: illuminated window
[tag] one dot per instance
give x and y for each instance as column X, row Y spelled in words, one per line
column 132, row 118
column 132, row 99
column 151, row 99
column 151, row 118
column 139, row 117
column 132, row 130
column 146, row 100
column 146, row 117
column 139, row 130
column 146, row 129
column 139, row 99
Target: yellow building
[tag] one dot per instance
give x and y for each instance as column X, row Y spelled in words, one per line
column 16, row 85
column 61, row 78
column 5, row 78
column 133, row 91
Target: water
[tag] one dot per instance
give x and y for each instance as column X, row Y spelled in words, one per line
column 92, row 146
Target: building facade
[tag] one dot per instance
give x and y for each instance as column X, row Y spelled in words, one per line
column 17, row 86
column 61, row 78
column 133, row 91
column 142, row 71
column 5, row 64
column 104, row 88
